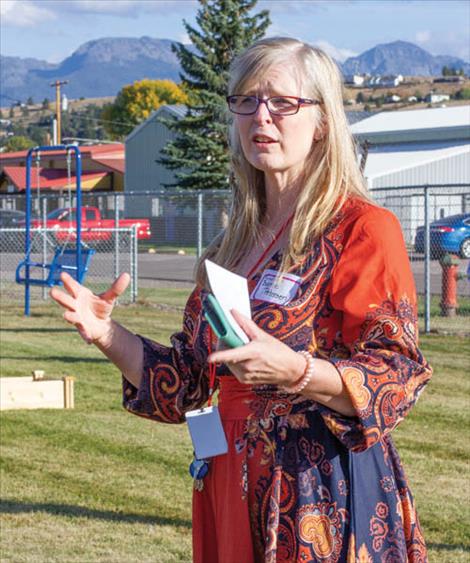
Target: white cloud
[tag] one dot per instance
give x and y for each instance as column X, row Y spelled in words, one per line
column 449, row 42
column 298, row 7
column 123, row 8
column 24, row 13
column 337, row 53
column 102, row 6
column 423, row 36
column 27, row 13
column 184, row 38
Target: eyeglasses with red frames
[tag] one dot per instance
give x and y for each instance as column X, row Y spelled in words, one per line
column 277, row 105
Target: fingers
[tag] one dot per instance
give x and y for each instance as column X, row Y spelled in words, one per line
column 118, row 287
column 71, row 285
column 232, row 355
column 63, row 299
column 249, row 327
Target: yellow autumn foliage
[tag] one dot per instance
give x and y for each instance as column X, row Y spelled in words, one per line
column 136, row 102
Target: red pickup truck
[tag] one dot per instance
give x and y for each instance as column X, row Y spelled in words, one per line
column 63, row 219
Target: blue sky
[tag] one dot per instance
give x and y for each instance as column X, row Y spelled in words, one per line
column 53, row 29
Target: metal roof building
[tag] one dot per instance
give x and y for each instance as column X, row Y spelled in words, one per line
column 143, row 149
column 418, row 147
column 412, row 149
column 143, row 171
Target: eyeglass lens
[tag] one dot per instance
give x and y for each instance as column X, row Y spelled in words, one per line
column 249, row 104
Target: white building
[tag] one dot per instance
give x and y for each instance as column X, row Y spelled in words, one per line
column 379, row 81
column 391, row 81
column 354, row 80
column 437, row 98
column 411, row 149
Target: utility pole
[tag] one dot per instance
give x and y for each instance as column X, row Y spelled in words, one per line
column 58, row 110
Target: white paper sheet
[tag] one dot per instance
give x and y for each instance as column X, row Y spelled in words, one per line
column 231, row 291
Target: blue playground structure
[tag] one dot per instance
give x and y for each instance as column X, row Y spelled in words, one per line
column 75, row 261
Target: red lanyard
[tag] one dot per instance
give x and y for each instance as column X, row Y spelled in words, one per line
column 212, row 366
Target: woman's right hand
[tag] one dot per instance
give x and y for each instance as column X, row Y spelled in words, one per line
column 88, row 312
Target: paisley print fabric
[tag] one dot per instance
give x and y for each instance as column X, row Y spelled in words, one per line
column 302, row 482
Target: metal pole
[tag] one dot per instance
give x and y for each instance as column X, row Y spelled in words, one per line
column 116, row 236
column 57, row 84
column 27, row 241
column 131, row 258
column 44, row 245
column 78, row 175
column 199, row 224
column 427, row 264
column 135, row 269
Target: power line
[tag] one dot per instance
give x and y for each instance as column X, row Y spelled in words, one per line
column 77, row 115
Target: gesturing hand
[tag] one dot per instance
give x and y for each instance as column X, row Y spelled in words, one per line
column 90, row 313
column 264, row 360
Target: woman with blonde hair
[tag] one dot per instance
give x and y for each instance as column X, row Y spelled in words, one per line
column 332, row 363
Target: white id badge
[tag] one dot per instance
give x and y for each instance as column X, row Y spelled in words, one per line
column 207, row 433
column 277, row 288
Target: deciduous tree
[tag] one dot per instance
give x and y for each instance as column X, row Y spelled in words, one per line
column 18, row 143
column 135, row 102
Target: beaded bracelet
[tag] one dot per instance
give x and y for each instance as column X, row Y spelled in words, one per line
column 306, row 377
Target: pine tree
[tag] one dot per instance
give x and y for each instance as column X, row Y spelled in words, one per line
column 199, row 154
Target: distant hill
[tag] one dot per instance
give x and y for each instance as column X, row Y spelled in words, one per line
column 98, row 68
column 401, row 57
column 103, row 66
column 16, row 81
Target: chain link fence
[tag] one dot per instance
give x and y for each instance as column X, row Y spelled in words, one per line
column 115, row 252
column 436, row 226
column 434, row 219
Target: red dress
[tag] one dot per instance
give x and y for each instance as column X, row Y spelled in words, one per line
column 302, row 482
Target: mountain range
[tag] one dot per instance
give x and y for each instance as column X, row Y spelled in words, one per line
column 103, row 66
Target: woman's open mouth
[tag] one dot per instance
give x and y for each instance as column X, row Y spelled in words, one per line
column 263, row 140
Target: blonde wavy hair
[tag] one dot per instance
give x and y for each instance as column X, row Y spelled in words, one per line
column 331, row 172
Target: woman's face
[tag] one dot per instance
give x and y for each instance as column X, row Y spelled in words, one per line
column 278, row 144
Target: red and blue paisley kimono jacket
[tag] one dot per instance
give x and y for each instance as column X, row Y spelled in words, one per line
column 302, row 482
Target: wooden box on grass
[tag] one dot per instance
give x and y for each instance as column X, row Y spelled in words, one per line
column 36, row 393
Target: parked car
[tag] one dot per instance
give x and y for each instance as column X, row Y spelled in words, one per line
column 449, row 234
column 10, row 218
column 63, row 219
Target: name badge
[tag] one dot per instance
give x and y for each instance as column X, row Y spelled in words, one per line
column 277, row 288
column 207, row 433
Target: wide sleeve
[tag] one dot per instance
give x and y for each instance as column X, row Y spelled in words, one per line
column 383, row 370
column 173, row 380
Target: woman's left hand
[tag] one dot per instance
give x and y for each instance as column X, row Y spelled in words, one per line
column 265, row 360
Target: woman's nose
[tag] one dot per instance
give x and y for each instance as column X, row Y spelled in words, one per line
column 262, row 113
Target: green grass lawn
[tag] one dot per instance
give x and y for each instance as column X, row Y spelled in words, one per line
column 96, row 484
column 460, row 324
